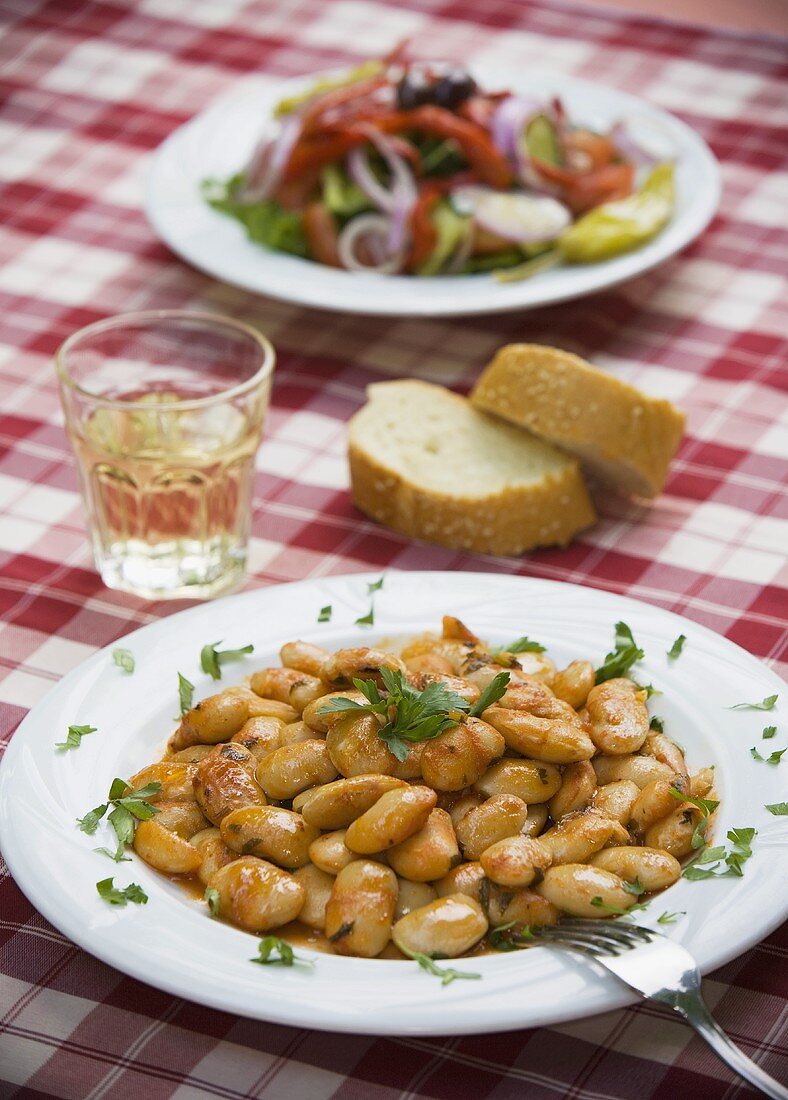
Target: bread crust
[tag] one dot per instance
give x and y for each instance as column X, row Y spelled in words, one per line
column 506, row 523
column 624, row 436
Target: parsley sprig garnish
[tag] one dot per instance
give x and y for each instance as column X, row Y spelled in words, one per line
column 670, row 918
column 272, row 951
column 616, row 910
column 707, row 806
column 185, row 693
column 109, row 892
column 657, row 724
column 779, row 809
column 407, row 715
column 769, row 703
column 128, row 805
column 447, row 974
column 508, row 937
column 773, row 758
column 625, row 653
column 718, row 863
column 212, row 659
column 124, row 659
column 676, row 648
column 325, row 614
column 519, row 645
column 768, row 732
column 74, row 737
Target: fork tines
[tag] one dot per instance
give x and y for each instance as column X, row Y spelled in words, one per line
column 596, row 937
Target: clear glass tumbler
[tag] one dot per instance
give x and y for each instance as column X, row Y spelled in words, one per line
column 165, row 412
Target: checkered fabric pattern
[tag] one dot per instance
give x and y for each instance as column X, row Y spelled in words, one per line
column 90, row 88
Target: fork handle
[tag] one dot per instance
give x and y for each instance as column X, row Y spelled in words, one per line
column 691, row 1006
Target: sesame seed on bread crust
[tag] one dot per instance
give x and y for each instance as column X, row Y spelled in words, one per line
column 624, row 436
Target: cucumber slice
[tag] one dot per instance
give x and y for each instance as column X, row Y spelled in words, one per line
column 542, row 141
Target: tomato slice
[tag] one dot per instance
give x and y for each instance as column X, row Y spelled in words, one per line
column 321, row 234
column 599, row 149
column 613, row 181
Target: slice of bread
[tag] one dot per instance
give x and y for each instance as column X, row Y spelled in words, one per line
column 425, row 462
column 623, row 436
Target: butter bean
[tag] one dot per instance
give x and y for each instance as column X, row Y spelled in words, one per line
column 458, row 757
column 448, row 926
column 637, row 769
column 223, row 782
column 271, row 833
column 576, row 837
column 330, row 853
column 335, row 805
column 355, row 748
column 501, row 816
column 531, row 780
column 176, row 779
column 428, row 854
column 618, row 718
column 257, row 895
column 412, row 895
column 651, row 867
column 574, row 683
column 165, row 850
column 616, row 799
column 213, row 720
column 214, row 852
column 516, row 861
column 396, row 815
column 361, row 908
column 260, row 736
column 292, row 768
column 578, row 784
column 317, row 890
column 574, row 887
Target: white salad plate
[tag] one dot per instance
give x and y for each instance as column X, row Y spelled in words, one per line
column 172, row 943
column 219, row 142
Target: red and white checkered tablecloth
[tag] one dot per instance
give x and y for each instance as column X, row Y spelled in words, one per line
column 90, row 88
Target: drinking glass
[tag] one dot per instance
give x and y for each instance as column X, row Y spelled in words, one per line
column 164, row 410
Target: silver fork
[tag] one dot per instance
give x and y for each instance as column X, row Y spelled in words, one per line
column 661, row 970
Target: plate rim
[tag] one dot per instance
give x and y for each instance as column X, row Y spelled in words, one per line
column 316, row 293
column 48, row 906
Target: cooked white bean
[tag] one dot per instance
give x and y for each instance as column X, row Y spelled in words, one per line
column 428, row 854
column 574, row 683
column 651, row 867
column 182, row 818
column 412, row 895
column 213, row 720
column 304, row 656
column 637, row 769
column 317, row 890
column 214, row 852
column 457, row 758
column 500, row 816
column 335, row 805
column 330, row 853
column 531, row 780
column 165, row 850
column 271, row 833
column 618, row 718
column 576, row 837
column 260, row 736
column 516, row 861
column 395, row 816
column 584, row 891
column 616, row 799
column 535, row 819
column 578, row 784
column 360, row 910
column 176, row 780
column 290, row 769
column 355, row 748
column 447, row 926
column 257, row 895
column 223, row 782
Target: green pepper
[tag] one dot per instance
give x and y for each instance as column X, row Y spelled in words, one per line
column 450, row 228
column 624, row 224
column 542, row 140
column 342, row 197
column 609, row 229
column 328, row 84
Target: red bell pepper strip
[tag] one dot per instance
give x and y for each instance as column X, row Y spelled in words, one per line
column 321, row 234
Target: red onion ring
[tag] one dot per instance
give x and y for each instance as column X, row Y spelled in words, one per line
column 397, row 200
column 269, row 161
column 376, row 228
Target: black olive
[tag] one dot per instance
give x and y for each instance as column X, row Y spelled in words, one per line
column 453, row 88
column 414, row 90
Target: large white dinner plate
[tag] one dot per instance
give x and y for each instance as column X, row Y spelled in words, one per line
column 172, row 943
column 219, row 141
